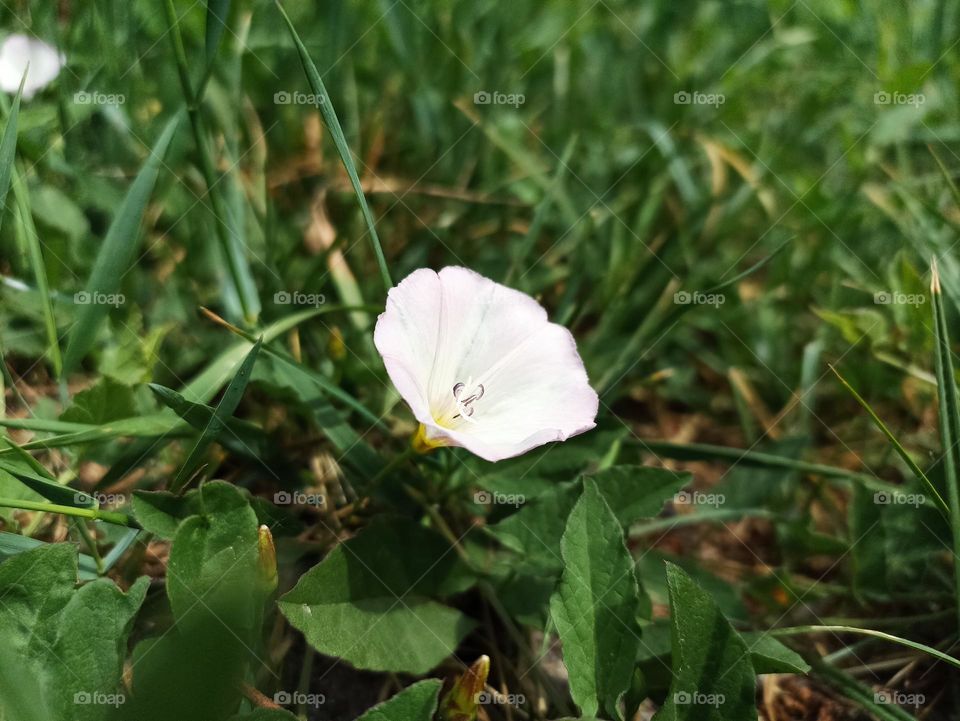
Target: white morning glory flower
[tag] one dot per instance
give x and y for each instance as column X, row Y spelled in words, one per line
column 481, row 366
column 18, row 51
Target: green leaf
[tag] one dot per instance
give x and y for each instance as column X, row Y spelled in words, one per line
column 12, row 544
column 194, row 670
column 713, row 677
column 67, row 641
column 117, row 253
column 106, row 401
column 228, row 404
column 768, row 655
column 214, row 554
column 635, row 492
column 371, row 601
column 160, row 512
column 325, row 105
column 595, row 605
column 534, row 531
column 415, row 703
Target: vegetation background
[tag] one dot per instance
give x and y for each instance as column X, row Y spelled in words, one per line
column 720, row 199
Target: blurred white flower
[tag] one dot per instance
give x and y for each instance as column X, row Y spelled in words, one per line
column 481, row 366
column 16, row 52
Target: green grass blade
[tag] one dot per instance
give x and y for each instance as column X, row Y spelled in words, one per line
column 42, row 483
column 228, row 404
column 758, row 459
column 8, row 147
column 230, row 245
column 325, row 105
column 901, row 451
column 117, row 252
column 625, row 361
column 217, row 11
column 949, row 417
column 540, row 213
column 31, row 241
column 889, row 637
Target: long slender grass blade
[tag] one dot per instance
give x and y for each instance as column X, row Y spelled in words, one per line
column 901, row 451
column 325, row 105
column 949, row 416
column 117, row 252
column 228, row 404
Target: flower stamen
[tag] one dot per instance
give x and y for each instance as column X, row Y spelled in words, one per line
column 465, row 405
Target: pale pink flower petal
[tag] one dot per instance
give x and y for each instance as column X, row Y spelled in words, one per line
column 481, row 366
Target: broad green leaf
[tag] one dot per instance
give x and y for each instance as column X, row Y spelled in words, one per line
column 214, row 553
column 415, row 703
column 595, row 605
column 372, row 600
column 116, row 254
column 228, row 404
column 713, row 679
column 12, row 544
column 325, row 105
column 69, row 643
column 768, row 655
column 635, row 492
column 160, row 512
column 194, row 670
column 103, row 403
column 535, row 530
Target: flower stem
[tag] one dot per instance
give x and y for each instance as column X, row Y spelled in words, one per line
column 114, row 517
